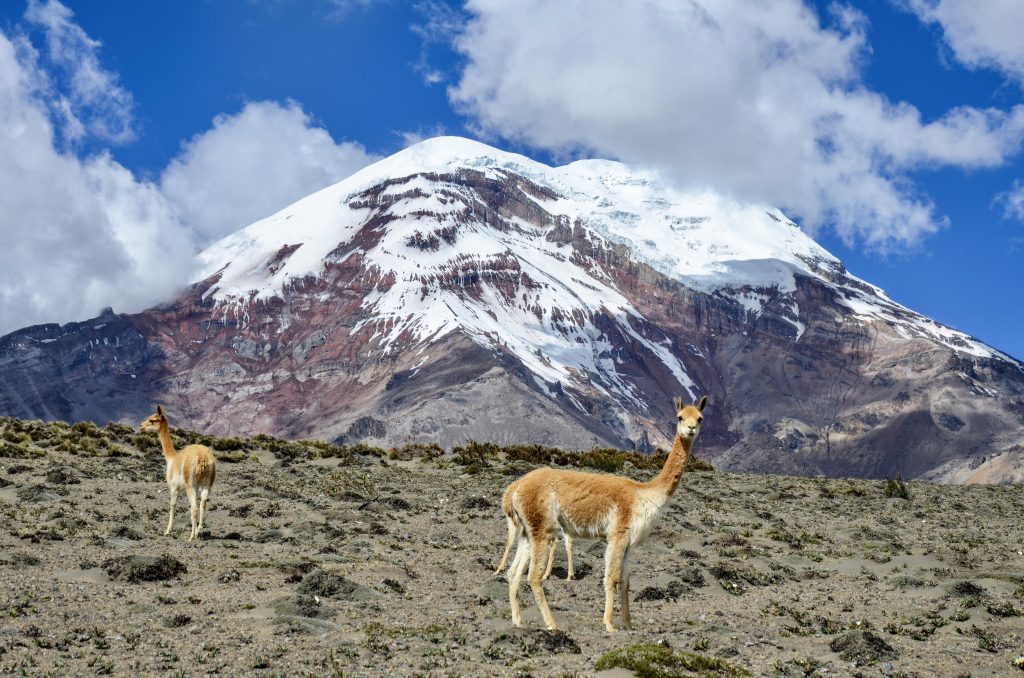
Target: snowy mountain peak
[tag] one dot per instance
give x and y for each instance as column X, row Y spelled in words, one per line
column 699, row 237
column 452, row 235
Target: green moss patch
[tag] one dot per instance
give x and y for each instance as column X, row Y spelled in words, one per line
column 651, row 660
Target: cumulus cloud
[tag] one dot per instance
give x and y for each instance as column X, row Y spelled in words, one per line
column 759, row 100
column 252, row 164
column 981, row 33
column 82, row 232
column 79, row 234
column 91, row 101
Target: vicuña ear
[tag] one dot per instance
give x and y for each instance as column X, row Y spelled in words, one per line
column 702, row 403
column 160, row 410
column 678, row 402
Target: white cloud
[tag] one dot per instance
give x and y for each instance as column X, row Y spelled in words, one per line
column 84, row 233
column 252, row 164
column 92, row 100
column 1012, row 202
column 441, row 24
column 981, row 33
column 78, row 234
column 754, row 99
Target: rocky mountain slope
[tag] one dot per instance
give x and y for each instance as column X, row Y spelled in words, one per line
column 455, row 291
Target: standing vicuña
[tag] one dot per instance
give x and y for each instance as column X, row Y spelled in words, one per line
column 194, row 468
column 593, row 505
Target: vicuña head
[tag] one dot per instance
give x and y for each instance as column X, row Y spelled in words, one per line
column 194, row 469
column 154, row 421
column 591, row 505
column 689, row 418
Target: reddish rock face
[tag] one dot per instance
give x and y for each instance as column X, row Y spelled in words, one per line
column 461, row 339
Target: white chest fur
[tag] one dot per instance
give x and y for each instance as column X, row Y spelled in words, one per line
column 645, row 513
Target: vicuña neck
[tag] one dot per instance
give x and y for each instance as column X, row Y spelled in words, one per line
column 165, row 441
column 672, row 472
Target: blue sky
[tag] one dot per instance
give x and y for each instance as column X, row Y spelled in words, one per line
column 891, row 129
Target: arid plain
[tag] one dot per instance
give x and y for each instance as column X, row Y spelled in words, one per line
column 326, row 560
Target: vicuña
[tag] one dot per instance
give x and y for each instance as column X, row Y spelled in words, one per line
column 194, row 468
column 593, row 505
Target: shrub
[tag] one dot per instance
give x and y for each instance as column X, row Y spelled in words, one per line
column 610, row 460
column 427, row 452
column 114, row 428
column 326, row 450
column 862, row 647
column 118, row 451
column 475, row 453
column 652, row 660
column 695, row 464
column 148, row 445
column 19, row 451
column 1004, row 609
column 896, row 488
column 228, row 444
column 968, row 589
column 365, row 450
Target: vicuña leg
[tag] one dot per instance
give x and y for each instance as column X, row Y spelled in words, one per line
column 509, row 540
column 537, row 555
column 515, row 578
column 193, row 511
column 568, row 556
column 613, row 555
column 204, row 494
column 624, row 592
column 552, row 547
column 170, row 520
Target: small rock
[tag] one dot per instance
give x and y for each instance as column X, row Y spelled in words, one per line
column 229, row 576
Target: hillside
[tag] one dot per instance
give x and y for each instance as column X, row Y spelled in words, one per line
column 348, row 560
column 457, row 292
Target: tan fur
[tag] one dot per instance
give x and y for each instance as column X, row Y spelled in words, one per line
column 513, row 530
column 620, row 510
column 194, row 468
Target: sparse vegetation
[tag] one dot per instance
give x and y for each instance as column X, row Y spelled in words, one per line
column 361, row 561
column 895, row 488
column 476, row 455
column 653, row 660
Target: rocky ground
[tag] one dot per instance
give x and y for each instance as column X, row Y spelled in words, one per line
column 344, row 562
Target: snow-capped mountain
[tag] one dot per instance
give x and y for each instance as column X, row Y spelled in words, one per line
column 455, row 291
